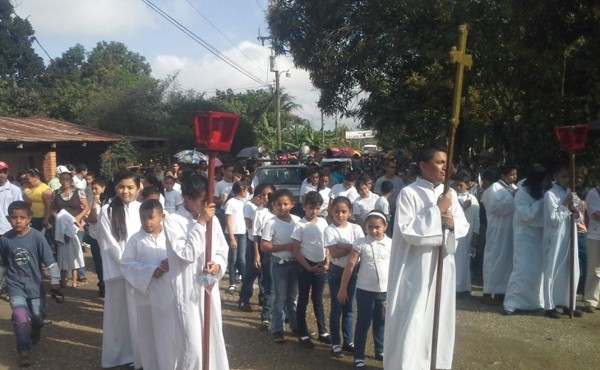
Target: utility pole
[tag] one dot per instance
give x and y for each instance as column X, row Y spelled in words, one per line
column 322, row 130
column 278, row 109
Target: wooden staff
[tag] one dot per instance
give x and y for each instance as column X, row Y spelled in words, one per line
column 210, row 189
column 462, row 61
column 573, row 235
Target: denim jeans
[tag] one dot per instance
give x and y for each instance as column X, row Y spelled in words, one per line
column 264, row 280
column 236, row 257
column 369, row 306
column 27, row 313
column 306, row 281
column 95, row 247
column 582, row 254
column 338, row 311
column 285, row 284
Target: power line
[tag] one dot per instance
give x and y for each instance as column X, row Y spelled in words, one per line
column 260, row 6
column 222, row 34
column 202, row 42
column 40, row 45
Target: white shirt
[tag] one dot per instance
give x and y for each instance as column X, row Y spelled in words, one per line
column 260, row 219
column 396, row 181
column 305, row 188
column 310, row 236
column 223, row 188
column 173, row 199
column 334, row 235
column 249, row 213
column 339, row 190
column 374, row 263
column 8, row 193
column 362, row 206
column 235, row 208
column 79, row 183
column 382, row 205
column 279, row 232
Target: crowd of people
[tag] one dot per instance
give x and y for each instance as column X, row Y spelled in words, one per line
column 368, row 230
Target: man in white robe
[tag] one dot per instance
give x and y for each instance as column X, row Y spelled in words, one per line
column 421, row 211
column 498, row 254
column 186, row 241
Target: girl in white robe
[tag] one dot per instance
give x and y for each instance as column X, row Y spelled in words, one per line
column 119, row 220
column 186, row 240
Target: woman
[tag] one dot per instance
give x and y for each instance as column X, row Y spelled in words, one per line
column 174, row 171
column 39, row 196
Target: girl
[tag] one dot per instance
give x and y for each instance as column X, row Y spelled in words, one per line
column 119, row 220
column 365, row 203
column 98, row 187
column 276, row 238
column 236, row 232
column 339, row 237
column 324, row 190
column 311, row 183
column 374, row 252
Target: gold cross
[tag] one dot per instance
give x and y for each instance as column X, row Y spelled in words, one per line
column 462, row 61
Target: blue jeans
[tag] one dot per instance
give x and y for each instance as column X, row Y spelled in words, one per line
column 285, row 284
column 27, row 313
column 337, row 310
column 307, row 281
column 581, row 246
column 369, row 306
column 264, row 280
column 95, row 247
column 236, row 257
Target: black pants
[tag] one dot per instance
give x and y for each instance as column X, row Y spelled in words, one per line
column 306, row 281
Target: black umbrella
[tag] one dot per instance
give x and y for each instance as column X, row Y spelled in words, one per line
column 251, row 151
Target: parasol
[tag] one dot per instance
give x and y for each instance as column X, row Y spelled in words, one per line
column 190, row 157
column 251, row 151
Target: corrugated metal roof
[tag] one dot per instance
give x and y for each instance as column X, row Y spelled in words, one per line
column 43, row 129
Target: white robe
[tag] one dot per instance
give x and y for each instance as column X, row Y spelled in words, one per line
column 185, row 250
column 412, row 280
column 69, row 255
column 497, row 257
column 462, row 257
column 154, row 300
column 524, row 291
column 119, row 331
column 557, row 224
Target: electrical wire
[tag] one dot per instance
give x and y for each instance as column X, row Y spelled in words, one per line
column 202, row 42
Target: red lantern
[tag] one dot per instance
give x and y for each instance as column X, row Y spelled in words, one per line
column 571, row 138
column 215, row 130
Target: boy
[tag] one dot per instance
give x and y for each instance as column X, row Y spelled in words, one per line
column 173, row 197
column 345, row 189
column 365, row 203
column 309, row 250
column 383, row 203
column 98, row 187
column 144, row 264
column 23, row 250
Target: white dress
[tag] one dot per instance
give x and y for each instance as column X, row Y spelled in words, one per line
column 186, row 241
column 154, row 299
column 69, row 255
column 557, row 228
column 497, row 257
column 524, row 291
column 412, row 280
column 462, row 257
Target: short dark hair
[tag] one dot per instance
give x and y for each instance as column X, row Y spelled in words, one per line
column 386, row 187
column 193, row 185
column 99, row 182
column 283, row 193
column 151, row 204
column 20, row 205
column 462, row 177
column 81, row 167
column 426, row 155
column 506, row 169
column 313, row 198
column 149, row 190
column 351, row 176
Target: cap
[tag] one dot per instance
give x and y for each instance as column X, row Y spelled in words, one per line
column 62, row 169
column 3, row 166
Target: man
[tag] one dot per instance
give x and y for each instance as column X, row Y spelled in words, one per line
column 8, row 193
column 79, row 180
column 54, row 182
column 423, row 216
column 391, row 168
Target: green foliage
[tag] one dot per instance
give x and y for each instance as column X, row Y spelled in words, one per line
column 121, row 149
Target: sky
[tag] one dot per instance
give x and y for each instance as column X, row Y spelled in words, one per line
column 229, row 26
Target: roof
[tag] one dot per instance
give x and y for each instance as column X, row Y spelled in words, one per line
column 43, row 129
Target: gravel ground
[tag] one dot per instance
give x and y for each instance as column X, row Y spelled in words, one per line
column 485, row 338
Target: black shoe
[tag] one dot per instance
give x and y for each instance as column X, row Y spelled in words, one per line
column 306, row 342
column 277, row 337
column 35, row 335
column 576, row 312
column 264, row 325
column 508, row 313
column 325, row 338
column 379, row 356
column 245, row 307
column 553, row 314
column 348, row 347
column 336, row 351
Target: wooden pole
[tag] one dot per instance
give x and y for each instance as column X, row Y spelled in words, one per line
column 207, row 258
column 573, row 235
column 462, row 61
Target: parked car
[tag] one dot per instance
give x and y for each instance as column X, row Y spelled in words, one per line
column 283, row 177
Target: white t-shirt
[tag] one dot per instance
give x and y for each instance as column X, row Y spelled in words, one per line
column 173, row 199
column 382, row 205
column 249, row 213
column 396, row 181
column 374, row 263
column 334, row 235
column 305, row 188
column 79, row 183
column 223, row 188
column 325, row 194
column 260, row 219
column 235, row 208
column 279, row 232
column 362, row 206
column 339, row 190
column 310, row 236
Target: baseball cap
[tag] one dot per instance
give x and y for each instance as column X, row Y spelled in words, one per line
column 62, row 169
column 3, row 166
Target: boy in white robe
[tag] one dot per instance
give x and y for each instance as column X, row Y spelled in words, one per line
column 145, row 267
column 466, row 246
column 422, row 216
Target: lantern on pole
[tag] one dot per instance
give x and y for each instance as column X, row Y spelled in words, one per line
column 214, row 133
column 572, row 139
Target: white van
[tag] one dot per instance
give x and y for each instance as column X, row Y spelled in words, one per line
column 369, row 148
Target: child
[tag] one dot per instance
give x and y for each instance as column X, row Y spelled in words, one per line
column 324, row 190
column 98, row 187
column 119, row 220
column 144, row 263
column 365, row 203
column 236, row 232
column 185, row 231
column 308, row 249
column 311, row 183
column 466, row 246
column 276, row 238
column 172, row 197
column 345, row 189
column 23, row 250
column 339, row 237
column 374, row 252
column 382, row 204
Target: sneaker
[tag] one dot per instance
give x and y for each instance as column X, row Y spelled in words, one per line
column 24, row 360
column 239, row 278
column 245, row 307
column 348, row 347
column 553, row 314
column 35, row 335
column 264, row 325
column 325, row 338
column 336, row 351
column 359, row 364
column 231, row 289
column 306, row 342
column 277, row 337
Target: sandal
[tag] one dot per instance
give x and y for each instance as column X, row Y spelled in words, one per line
column 58, row 296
